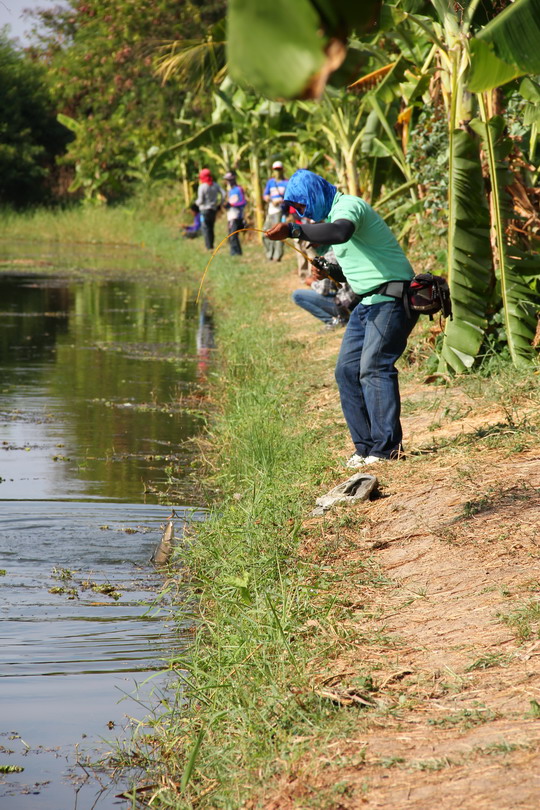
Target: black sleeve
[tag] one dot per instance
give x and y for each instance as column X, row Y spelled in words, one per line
column 328, row 233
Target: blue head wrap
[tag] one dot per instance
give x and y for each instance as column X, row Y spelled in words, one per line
column 313, row 191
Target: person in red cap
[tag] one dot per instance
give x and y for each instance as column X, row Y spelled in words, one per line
column 209, row 199
column 274, row 194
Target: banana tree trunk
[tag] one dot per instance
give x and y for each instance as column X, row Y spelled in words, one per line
column 351, row 173
column 186, row 185
column 257, row 193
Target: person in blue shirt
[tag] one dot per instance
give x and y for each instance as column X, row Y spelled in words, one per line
column 191, row 231
column 274, row 195
column 235, row 204
column 375, row 266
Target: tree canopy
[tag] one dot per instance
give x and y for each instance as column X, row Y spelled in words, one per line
column 100, row 57
column 30, row 135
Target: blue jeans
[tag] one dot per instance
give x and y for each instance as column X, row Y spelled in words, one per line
column 322, row 306
column 235, row 247
column 375, row 337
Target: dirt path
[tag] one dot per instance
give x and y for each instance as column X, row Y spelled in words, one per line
column 449, row 623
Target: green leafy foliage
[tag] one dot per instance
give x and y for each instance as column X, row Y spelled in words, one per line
column 30, row 136
column 100, row 56
column 507, row 47
column 520, row 302
column 268, row 58
column 428, row 158
column 282, row 49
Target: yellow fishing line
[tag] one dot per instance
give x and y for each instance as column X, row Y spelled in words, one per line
column 257, row 230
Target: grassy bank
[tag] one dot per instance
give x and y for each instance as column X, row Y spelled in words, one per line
column 248, row 672
column 142, row 237
column 131, row 223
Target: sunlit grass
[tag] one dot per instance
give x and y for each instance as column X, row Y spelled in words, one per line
column 83, row 224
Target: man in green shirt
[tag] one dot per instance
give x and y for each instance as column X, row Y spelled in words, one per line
column 377, row 269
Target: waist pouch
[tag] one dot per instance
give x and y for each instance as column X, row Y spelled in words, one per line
column 424, row 293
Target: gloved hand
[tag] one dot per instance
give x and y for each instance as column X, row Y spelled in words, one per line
column 326, row 269
column 321, row 267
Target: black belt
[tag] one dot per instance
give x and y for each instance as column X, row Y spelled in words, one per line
column 394, row 289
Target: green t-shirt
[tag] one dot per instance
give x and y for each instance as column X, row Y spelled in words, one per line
column 372, row 256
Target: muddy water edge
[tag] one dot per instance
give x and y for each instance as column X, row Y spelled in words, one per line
column 101, row 368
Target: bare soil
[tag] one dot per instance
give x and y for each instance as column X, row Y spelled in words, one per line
column 448, row 624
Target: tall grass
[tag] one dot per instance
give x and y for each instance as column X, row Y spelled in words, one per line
column 77, row 224
column 144, row 232
column 130, row 223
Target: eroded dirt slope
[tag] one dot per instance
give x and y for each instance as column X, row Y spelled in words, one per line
column 448, row 624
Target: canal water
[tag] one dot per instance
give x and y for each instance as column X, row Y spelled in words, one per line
column 100, row 387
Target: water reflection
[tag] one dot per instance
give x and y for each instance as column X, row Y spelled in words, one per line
column 205, row 342
column 91, row 375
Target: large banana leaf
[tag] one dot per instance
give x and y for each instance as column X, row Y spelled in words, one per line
column 287, row 49
column 508, row 47
column 531, row 115
column 469, row 254
column 514, row 267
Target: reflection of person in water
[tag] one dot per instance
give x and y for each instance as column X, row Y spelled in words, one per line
column 205, row 342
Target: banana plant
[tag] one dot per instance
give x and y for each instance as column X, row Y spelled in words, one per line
column 257, row 128
column 339, row 121
column 502, row 51
column 514, row 267
column 469, row 253
column 390, row 93
column 530, row 91
column 382, row 140
column 506, row 48
column 183, row 150
column 473, row 256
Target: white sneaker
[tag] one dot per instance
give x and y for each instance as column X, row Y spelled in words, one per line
column 373, row 459
column 355, row 461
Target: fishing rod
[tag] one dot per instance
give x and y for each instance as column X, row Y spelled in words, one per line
column 240, row 230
